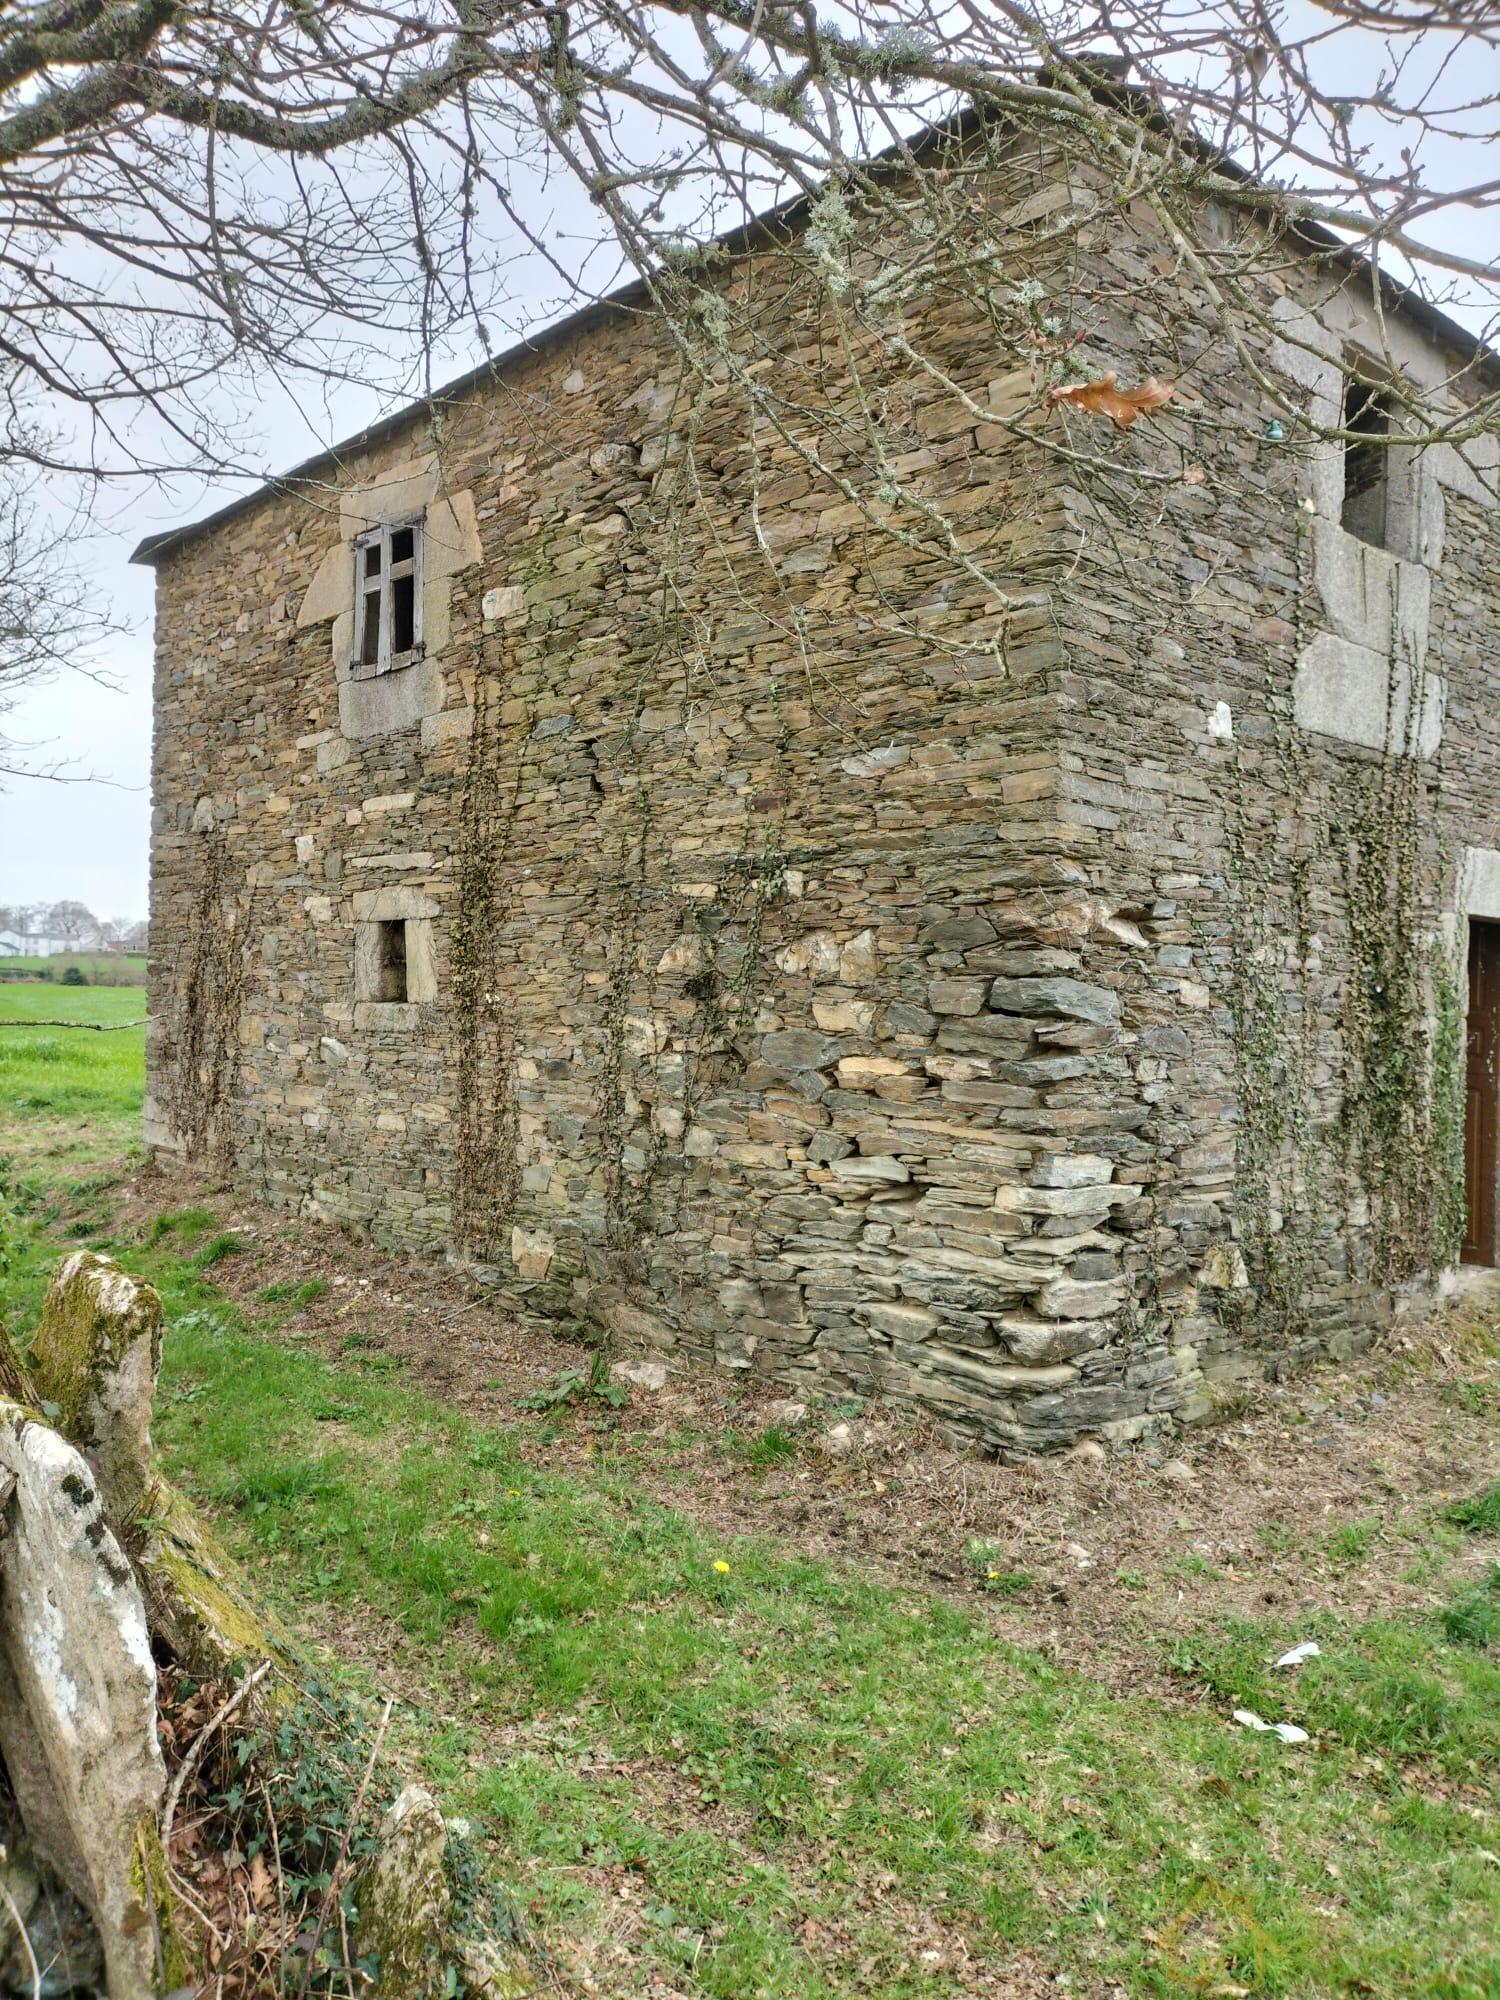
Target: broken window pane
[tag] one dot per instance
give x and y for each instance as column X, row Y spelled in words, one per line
column 369, row 652
column 403, row 614
column 389, row 605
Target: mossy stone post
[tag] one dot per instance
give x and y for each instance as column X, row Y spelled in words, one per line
column 402, row 1899
column 201, row 1605
column 78, row 1704
column 96, row 1357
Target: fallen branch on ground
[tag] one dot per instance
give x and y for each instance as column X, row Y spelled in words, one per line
column 99, row 1027
column 189, row 1763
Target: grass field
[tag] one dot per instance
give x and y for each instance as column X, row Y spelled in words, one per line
column 72, row 1077
column 711, row 1761
column 27, row 1000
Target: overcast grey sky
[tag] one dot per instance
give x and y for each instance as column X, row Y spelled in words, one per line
column 87, row 841
column 90, row 840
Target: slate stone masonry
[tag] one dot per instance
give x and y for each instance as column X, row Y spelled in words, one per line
column 847, row 1000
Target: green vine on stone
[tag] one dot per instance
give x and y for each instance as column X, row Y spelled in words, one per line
column 486, row 1182
column 201, row 1061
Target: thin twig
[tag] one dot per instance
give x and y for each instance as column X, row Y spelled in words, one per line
column 184, row 1895
column 276, row 1857
column 15, row 1917
column 344, row 1948
column 195, row 1749
column 338, row 1867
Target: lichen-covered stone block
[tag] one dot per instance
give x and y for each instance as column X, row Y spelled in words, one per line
column 78, row 1703
column 402, row 1899
column 95, row 1358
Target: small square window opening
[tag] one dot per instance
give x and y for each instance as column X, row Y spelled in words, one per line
column 388, row 597
column 1367, row 462
column 390, row 961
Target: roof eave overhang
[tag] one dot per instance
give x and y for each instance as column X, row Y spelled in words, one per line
column 635, row 296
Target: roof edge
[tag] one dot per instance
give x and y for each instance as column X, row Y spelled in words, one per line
column 744, row 237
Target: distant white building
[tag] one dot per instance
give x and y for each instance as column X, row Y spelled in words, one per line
column 36, row 944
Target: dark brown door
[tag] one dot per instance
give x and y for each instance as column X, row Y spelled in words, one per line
column 1482, row 1111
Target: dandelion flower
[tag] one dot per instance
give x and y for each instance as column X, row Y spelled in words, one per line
column 722, row 1567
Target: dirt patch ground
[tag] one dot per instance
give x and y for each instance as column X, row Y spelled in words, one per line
column 1317, row 1494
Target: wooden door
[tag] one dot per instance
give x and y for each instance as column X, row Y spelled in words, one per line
column 1482, row 1108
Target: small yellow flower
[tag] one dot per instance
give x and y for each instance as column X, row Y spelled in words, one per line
column 992, row 1574
column 722, row 1567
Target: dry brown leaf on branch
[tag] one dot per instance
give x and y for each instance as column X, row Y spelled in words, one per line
column 1107, row 399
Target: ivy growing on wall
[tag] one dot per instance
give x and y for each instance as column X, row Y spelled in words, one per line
column 201, row 1062
column 1400, row 1014
column 486, row 1175
column 711, row 1010
column 627, row 1179
column 1372, row 1150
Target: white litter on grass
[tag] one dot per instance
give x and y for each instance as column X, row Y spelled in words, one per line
column 1308, row 1650
column 1287, row 1731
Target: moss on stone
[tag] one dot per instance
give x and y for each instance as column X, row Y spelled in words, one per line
column 150, row 1883
column 84, row 1335
column 494, row 1971
column 402, row 1900
column 202, row 1605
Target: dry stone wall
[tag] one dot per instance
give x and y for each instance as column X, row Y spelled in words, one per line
column 819, row 974
column 1275, row 769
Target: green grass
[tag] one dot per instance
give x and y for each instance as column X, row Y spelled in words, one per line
column 1473, row 1618
column 1480, row 1515
column 1391, row 1687
column 796, row 1780
column 224, row 1244
column 288, row 1292
column 186, row 1224
column 809, row 1712
column 1350, row 1545
column 24, row 1002
column 71, row 1076
column 772, row 1446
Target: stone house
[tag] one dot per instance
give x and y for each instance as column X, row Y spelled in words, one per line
column 709, row 917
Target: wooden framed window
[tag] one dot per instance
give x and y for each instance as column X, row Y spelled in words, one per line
column 388, row 597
